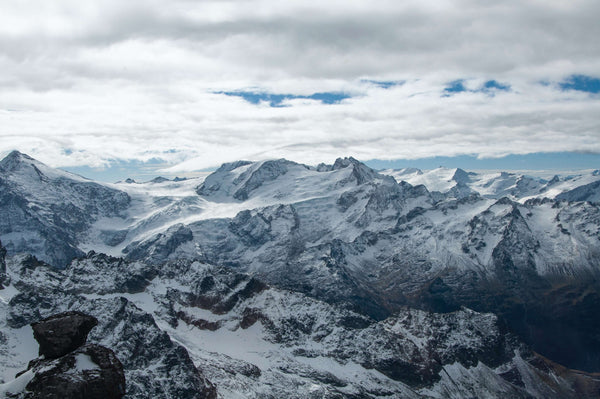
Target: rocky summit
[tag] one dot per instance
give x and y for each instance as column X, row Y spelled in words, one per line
column 276, row 279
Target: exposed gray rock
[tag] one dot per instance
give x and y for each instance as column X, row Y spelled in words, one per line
column 161, row 246
column 113, row 274
column 361, row 173
column 113, row 237
column 253, row 179
column 213, row 183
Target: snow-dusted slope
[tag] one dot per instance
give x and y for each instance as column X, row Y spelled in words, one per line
column 516, row 186
column 45, row 211
column 180, row 325
column 587, row 192
column 305, row 212
column 57, row 215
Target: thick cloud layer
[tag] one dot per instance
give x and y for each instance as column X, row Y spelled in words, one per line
column 83, row 83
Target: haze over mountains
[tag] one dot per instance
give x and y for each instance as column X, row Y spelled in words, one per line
column 331, row 272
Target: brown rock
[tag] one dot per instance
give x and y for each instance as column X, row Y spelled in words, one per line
column 62, row 333
column 90, row 372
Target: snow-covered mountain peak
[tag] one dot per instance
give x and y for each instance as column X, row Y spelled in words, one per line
column 238, row 179
column 345, row 162
column 45, row 210
column 25, row 169
column 360, row 172
column 461, row 176
column 13, row 160
column 229, row 166
column 283, row 181
column 159, row 179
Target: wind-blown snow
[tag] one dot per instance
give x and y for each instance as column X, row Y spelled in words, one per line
column 16, row 385
column 84, row 362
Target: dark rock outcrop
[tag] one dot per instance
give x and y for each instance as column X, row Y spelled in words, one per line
column 90, row 372
column 68, row 367
column 3, row 277
column 62, row 333
column 154, row 366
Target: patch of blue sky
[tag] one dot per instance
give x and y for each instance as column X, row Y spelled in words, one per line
column 328, row 97
column 556, row 161
column 495, row 85
column 383, row 84
column 583, row 83
column 456, row 86
column 120, row 170
column 489, row 87
column 277, row 100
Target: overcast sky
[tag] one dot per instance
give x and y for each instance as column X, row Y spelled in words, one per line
column 192, row 84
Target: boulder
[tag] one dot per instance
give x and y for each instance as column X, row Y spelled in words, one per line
column 62, row 333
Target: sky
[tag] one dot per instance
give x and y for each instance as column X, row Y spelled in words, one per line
column 180, row 86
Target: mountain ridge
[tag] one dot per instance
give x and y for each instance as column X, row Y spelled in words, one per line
column 356, row 238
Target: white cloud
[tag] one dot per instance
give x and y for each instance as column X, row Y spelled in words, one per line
column 112, row 80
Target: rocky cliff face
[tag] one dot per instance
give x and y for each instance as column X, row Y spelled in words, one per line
column 91, row 371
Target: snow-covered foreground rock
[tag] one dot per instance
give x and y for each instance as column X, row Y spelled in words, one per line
column 185, row 329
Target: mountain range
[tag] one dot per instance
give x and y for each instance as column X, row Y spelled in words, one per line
column 278, row 279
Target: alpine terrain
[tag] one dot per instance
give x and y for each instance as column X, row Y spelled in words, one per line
column 276, row 279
